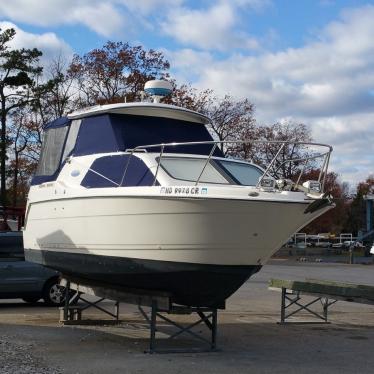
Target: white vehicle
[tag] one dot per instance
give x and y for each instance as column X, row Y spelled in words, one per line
column 352, row 244
column 174, row 215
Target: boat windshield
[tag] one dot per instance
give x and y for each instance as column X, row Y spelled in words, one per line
column 216, row 171
column 245, row 174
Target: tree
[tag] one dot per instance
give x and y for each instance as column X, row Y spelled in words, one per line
column 19, row 143
column 231, row 119
column 188, row 97
column 115, row 73
column 263, row 152
column 18, row 69
column 55, row 97
column 25, row 142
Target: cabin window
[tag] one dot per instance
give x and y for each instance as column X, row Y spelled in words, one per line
column 72, row 137
column 189, row 169
column 216, row 171
column 53, row 144
column 108, row 171
column 244, row 174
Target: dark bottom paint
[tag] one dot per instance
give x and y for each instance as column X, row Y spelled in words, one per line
column 189, row 284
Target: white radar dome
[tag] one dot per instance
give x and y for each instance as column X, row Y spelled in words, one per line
column 158, row 89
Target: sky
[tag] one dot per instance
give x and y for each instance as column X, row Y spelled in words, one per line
column 309, row 61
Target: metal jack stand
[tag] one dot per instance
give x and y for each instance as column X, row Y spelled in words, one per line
column 327, row 292
column 207, row 316
column 292, row 298
column 160, row 302
column 71, row 314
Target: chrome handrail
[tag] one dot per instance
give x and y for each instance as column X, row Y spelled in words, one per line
column 271, row 163
column 143, row 148
column 215, row 143
column 206, row 163
column 158, row 164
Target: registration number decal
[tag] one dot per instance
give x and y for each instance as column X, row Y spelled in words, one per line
column 183, row 190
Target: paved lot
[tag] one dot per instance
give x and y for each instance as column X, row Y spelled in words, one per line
column 31, row 340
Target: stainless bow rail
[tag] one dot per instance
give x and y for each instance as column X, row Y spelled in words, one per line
column 269, row 171
column 323, row 155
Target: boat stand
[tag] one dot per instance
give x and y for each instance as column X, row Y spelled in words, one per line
column 161, row 306
column 326, row 292
column 71, row 313
column 293, row 299
column 207, row 316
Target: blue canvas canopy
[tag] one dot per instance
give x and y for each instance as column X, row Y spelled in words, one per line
column 59, row 122
column 109, row 133
column 118, row 132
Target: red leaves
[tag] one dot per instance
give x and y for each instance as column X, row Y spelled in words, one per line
column 115, row 72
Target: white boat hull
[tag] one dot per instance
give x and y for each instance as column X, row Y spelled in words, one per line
column 209, row 231
column 201, row 250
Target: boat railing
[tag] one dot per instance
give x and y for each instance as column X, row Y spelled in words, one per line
column 309, row 152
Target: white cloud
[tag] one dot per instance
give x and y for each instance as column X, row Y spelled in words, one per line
column 98, row 16
column 107, row 18
column 49, row 43
column 257, row 5
column 145, row 7
column 217, row 27
column 212, row 28
column 351, row 136
column 327, row 83
column 189, row 63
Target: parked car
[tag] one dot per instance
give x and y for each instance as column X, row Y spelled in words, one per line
column 323, row 244
column 26, row 280
column 352, row 244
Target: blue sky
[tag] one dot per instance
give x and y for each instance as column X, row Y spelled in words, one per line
column 304, row 60
column 278, row 24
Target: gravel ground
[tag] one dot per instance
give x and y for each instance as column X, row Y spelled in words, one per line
column 249, row 339
column 15, row 358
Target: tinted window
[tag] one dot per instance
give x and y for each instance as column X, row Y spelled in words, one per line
column 189, row 169
column 11, row 247
column 132, row 131
column 53, row 144
column 245, row 174
column 216, row 171
column 108, row 171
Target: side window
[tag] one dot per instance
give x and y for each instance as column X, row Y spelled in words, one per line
column 11, row 248
column 189, row 169
column 72, row 137
column 245, row 174
column 52, row 147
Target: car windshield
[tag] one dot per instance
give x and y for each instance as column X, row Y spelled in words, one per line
column 216, row 171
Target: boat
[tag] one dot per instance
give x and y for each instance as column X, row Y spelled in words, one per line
column 140, row 195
